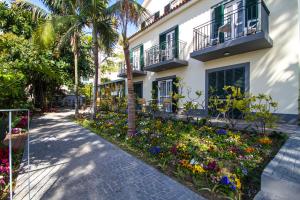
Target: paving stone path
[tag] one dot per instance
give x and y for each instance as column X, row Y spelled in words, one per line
column 280, row 180
column 70, row 162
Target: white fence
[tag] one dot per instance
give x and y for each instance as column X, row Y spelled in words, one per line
column 10, row 112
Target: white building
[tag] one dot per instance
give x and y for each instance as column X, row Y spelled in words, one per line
column 252, row 44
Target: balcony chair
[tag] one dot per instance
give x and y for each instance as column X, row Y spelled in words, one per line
column 252, row 26
column 226, row 28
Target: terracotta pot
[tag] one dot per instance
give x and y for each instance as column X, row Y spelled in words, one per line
column 17, row 140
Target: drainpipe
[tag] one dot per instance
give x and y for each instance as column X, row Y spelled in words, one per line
column 299, row 62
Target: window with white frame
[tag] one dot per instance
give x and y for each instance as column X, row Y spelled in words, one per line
column 165, row 94
column 136, row 59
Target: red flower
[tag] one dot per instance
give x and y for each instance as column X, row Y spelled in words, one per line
column 23, row 122
column 173, row 149
column 212, row 166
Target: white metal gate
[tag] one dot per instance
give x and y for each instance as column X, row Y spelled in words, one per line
column 10, row 113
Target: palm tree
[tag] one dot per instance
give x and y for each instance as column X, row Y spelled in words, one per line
column 104, row 37
column 128, row 12
column 65, row 20
column 68, row 19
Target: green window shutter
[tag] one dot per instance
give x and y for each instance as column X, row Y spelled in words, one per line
column 251, row 10
column 218, row 16
column 155, row 90
column 175, row 91
column 162, row 41
column 142, row 57
column 162, row 45
column 176, row 53
column 131, row 56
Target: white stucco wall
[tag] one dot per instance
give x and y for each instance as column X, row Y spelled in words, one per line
column 273, row 71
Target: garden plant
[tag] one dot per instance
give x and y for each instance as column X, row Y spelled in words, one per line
column 217, row 162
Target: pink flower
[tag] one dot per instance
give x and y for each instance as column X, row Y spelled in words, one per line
column 2, row 182
column 16, row 130
column 4, row 161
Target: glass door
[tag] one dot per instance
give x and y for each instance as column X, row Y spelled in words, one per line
column 170, row 45
column 238, row 26
column 165, row 94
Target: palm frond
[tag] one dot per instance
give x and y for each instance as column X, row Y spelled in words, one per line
column 128, row 12
column 37, row 12
column 107, row 35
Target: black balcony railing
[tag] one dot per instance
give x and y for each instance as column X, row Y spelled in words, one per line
column 173, row 4
column 240, row 22
column 150, row 20
column 135, row 67
column 165, row 51
column 169, row 7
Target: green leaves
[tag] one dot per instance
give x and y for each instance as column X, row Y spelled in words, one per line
column 23, row 66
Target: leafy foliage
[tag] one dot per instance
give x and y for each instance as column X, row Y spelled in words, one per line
column 233, row 107
column 27, row 70
column 16, row 20
column 262, row 109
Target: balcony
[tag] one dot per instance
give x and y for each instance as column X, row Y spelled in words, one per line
column 242, row 30
column 168, row 55
column 150, row 20
column 172, row 5
column 167, row 9
column 136, row 70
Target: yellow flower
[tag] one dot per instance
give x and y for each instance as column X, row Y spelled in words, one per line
column 197, row 169
column 182, row 147
column 238, row 183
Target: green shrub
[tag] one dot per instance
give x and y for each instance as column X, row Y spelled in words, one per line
column 262, row 108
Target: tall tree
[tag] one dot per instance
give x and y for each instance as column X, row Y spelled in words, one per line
column 68, row 18
column 104, row 37
column 92, row 13
column 128, row 12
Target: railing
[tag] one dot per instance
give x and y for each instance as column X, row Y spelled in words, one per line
column 10, row 145
column 165, row 51
column 239, row 22
column 150, row 20
column 123, row 68
column 169, row 7
column 173, row 4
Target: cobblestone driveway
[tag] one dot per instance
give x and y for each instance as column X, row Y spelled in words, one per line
column 70, row 162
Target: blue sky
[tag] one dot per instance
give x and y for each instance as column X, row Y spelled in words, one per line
column 131, row 30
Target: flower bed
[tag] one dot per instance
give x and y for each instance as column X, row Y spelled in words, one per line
column 215, row 162
column 4, row 169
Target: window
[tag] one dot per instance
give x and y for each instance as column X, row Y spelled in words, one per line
column 229, row 19
column 169, row 44
column 156, row 15
column 136, row 59
column 165, row 92
column 226, row 77
column 138, row 89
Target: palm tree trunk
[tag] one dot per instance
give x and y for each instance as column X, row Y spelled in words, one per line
column 96, row 63
column 131, row 96
column 75, row 52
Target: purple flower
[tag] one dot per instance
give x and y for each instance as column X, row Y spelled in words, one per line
column 245, row 171
column 16, row 130
column 212, row 166
column 233, row 187
column 225, row 180
column 155, row 150
column 221, row 132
